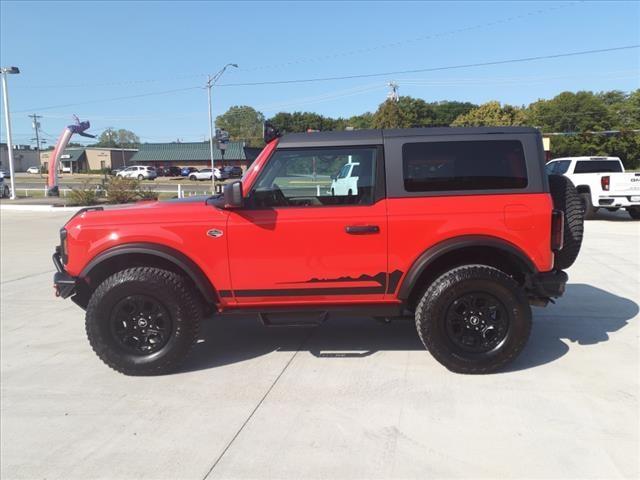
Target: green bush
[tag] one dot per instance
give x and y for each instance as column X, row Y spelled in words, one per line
column 127, row 190
column 122, row 190
column 87, row 194
column 147, row 194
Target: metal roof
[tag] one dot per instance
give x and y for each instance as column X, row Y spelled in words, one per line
column 71, row 154
column 185, row 152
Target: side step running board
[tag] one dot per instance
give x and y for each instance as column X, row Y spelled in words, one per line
column 293, row 319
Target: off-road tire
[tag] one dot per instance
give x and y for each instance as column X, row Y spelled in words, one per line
column 634, row 212
column 170, row 290
column 430, row 317
column 566, row 198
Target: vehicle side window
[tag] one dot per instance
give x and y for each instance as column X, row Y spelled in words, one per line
column 550, row 168
column 463, row 165
column 316, row 177
column 561, row 167
column 598, row 166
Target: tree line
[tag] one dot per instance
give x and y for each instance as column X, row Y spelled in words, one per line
column 601, row 123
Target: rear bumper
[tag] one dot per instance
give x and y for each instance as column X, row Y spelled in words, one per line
column 547, row 284
column 618, row 201
column 64, row 283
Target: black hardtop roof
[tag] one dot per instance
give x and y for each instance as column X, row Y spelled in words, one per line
column 375, row 137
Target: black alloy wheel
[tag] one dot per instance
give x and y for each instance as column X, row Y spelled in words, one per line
column 477, row 322
column 141, row 324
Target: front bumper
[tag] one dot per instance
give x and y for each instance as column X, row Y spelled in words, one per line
column 64, row 283
column 547, row 284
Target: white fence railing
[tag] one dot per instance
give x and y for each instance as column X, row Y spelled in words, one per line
column 179, row 192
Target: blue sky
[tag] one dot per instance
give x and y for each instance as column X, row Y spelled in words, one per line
column 74, row 56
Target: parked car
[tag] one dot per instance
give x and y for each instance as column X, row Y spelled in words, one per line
column 141, row 172
column 115, row 171
column 33, row 170
column 458, row 227
column 346, row 182
column 186, row 171
column 601, row 183
column 64, row 169
column 171, row 172
column 205, row 174
column 5, row 190
column 231, row 172
column 5, row 174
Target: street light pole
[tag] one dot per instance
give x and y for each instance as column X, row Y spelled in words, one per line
column 211, row 80
column 5, row 93
column 213, row 177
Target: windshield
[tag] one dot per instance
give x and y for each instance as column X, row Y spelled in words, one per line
column 344, row 171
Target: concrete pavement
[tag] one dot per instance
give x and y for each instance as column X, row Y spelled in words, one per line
column 352, row 399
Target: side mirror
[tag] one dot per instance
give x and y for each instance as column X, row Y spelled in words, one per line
column 233, row 195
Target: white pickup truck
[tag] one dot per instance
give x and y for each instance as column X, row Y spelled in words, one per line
column 601, row 182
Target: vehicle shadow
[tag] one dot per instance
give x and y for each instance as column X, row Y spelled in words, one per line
column 604, row 215
column 586, row 315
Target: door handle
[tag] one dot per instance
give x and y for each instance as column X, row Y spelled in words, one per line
column 361, row 229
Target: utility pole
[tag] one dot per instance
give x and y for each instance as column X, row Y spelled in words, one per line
column 393, row 91
column 211, row 81
column 4, row 71
column 36, row 127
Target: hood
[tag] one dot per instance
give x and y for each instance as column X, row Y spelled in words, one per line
column 182, row 210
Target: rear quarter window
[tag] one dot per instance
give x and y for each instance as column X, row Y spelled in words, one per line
column 464, row 165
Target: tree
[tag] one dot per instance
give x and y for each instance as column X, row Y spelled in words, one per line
column 360, row 122
column 446, row 111
column 303, row 121
column 582, row 113
column 242, row 123
column 387, row 115
column 407, row 112
column 570, row 112
column 491, row 114
column 415, row 112
column 120, row 138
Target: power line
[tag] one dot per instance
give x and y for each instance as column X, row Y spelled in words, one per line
column 415, row 39
column 323, row 57
column 432, row 69
column 128, row 97
column 351, row 77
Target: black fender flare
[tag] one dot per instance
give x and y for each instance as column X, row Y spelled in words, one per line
column 436, row 251
column 179, row 259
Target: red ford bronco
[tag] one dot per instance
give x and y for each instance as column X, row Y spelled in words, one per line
column 460, row 228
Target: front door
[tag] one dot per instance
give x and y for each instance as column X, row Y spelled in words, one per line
column 297, row 241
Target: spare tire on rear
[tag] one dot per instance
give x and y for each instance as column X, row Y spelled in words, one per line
column 566, row 198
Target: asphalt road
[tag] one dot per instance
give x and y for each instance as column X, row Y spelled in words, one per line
column 352, row 399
